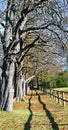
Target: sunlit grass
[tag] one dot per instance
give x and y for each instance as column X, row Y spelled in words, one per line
column 65, row 89
column 35, row 117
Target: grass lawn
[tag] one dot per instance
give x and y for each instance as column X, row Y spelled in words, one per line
column 65, row 89
column 37, row 112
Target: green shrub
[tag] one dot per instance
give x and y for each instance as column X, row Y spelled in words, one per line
column 62, row 79
column 54, row 82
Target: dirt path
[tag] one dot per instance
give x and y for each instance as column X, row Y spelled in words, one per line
column 37, row 112
column 45, row 114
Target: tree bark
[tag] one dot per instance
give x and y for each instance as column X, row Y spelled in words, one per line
column 19, row 90
column 7, row 88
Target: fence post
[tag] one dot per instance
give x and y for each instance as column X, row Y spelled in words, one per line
column 50, row 92
column 58, row 96
column 63, row 102
column 55, row 95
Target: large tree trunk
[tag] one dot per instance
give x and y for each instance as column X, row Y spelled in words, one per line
column 12, row 45
column 7, row 88
column 24, row 88
column 20, row 91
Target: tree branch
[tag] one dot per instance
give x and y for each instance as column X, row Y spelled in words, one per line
column 27, row 48
column 62, row 43
column 2, row 25
column 35, row 5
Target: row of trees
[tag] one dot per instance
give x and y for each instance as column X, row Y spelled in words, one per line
column 30, row 27
column 60, row 80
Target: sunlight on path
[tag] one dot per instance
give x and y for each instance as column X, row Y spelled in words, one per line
column 37, row 112
column 44, row 113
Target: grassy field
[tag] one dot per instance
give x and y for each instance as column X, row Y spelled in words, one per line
column 37, row 112
column 65, row 89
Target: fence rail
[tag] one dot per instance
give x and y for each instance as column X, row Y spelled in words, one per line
column 58, row 96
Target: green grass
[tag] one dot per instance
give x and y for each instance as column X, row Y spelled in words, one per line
column 65, row 89
column 13, row 120
column 42, row 114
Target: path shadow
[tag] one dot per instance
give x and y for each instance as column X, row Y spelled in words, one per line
column 51, row 118
column 27, row 125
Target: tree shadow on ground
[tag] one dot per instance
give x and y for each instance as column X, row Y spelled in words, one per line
column 27, row 125
column 51, row 118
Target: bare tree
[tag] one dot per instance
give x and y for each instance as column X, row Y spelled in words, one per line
column 25, row 18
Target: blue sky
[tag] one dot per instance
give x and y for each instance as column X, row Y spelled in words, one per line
column 3, row 6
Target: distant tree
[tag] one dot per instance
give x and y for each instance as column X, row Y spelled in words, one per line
column 62, row 79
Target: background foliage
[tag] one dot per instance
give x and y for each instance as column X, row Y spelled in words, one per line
column 61, row 80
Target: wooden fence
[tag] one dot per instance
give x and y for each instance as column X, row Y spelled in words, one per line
column 58, row 96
